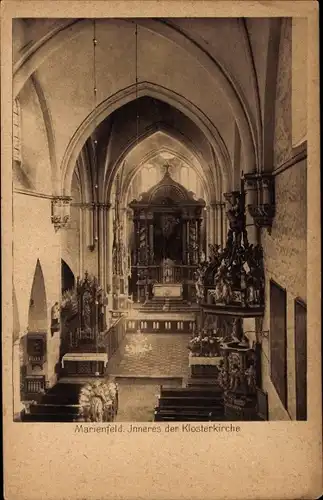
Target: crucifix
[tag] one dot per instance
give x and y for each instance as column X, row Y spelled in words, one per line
column 167, row 167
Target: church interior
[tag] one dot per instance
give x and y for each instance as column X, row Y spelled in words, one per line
column 159, row 219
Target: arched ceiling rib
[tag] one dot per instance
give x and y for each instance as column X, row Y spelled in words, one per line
column 189, row 54
column 186, row 62
column 152, row 147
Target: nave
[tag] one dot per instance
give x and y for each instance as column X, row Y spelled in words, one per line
column 159, row 220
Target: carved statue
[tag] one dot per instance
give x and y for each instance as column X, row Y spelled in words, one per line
column 237, row 330
column 222, row 376
column 86, row 310
column 235, row 378
column 251, row 378
column 214, row 253
column 167, row 270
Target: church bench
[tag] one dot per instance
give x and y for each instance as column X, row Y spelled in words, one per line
column 60, row 399
column 181, row 418
column 191, row 392
column 161, row 415
column 192, row 409
column 43, row 409
column 27, row 417
column 189, row 401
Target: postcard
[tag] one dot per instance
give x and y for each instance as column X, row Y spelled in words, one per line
column 161, row 250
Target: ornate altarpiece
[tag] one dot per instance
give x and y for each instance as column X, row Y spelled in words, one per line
column 167, row 224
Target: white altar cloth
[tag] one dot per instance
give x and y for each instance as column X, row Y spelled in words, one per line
column 85, row 356
column 204, row 360
column 168, row 290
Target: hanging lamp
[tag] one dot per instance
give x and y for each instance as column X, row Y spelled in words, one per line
column 96, row 204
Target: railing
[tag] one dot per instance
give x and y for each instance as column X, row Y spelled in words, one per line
column 112, row 339
column 144, row 277
column 163, row 274
column 79, row 336
column 34, row 384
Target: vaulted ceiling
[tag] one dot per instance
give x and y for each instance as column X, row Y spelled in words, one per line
column 201, row 93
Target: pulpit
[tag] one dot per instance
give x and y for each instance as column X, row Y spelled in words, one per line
column 239, row 381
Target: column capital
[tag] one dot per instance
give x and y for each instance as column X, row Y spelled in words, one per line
column 260, row 188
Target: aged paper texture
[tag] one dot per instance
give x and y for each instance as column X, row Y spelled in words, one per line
column 161, row 250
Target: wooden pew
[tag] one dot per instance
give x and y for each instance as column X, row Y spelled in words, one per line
column 191, row 392
column 27, row 417
column 200, row 402
column 49, row 409
column 162, row 415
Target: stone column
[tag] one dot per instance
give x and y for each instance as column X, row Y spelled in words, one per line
column 82, row 240
column 225, row 224
column 188, row 256
column 222, row 215
column 184, row 240
column 150, row 238
column 210, row 228
column 216, row 208
column 251, row 200
column 109, row 218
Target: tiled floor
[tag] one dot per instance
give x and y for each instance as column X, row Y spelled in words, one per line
column 138, row 389
column 139, row 376
column 168, row 357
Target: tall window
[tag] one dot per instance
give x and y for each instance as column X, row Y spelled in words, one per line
column 16, row 118
column 301, row 359
column 278, row 340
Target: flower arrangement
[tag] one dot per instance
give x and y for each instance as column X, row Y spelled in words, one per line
column 204, row 344
column 98, row 401
column 69, row 302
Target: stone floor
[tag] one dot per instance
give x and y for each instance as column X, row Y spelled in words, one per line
column 138, row 398
column 168, row 357
column 139, row 376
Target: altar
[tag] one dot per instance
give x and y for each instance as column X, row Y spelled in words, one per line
column 84, row 363
column 168, row 290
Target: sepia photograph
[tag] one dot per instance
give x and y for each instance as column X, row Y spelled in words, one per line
column 159, row 219
column 161, row 277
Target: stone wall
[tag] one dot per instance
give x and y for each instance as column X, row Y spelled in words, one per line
column 35, row 240
column 285, row 263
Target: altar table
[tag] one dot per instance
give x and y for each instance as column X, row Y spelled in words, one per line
column 84, row 363
column 168, row 290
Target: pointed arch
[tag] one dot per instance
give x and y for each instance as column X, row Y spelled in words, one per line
column 38, row 52
column 38, row 314
column 211, row 181
column 68, row 278
column 125, row 96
